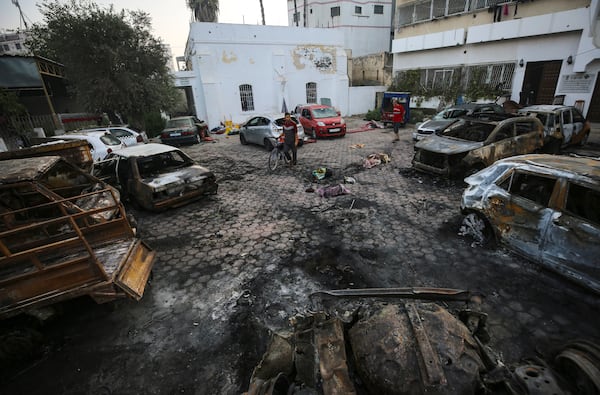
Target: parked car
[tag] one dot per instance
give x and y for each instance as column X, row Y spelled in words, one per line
column 264, row 129
column 156, row 176
column 563, row 125
column 101, row 143
column 448, row 116
column 469, row 145
column 322, row 121
column 545, row 207
column 127, row 135
column 184, row 130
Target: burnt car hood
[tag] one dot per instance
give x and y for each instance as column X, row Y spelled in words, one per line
column 447, row 145
column 187, row 175
column 436, row 125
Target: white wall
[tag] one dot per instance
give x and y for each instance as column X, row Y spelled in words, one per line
column 554, row 36
column 277, row 61
column 361, row 99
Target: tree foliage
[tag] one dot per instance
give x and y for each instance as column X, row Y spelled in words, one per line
column 112, row 61
column 9, row 104
column 205, row 10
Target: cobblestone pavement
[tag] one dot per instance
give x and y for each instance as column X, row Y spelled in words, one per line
column 234, row 266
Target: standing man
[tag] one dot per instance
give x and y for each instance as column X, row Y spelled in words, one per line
column 397, row 117
column 290, row 135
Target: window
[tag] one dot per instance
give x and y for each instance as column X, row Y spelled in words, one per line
column 311, row 92
column 378, row 10
column 6, row 47
column 335, row 11
column 566, row 115
column 246, row 97
column 584, row 203
column 18, row 46
column 532, row 187
column 296, row 17
column 357, row 10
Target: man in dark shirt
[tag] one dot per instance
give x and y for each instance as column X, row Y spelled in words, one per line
column 290, row 134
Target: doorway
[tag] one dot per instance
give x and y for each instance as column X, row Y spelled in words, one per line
column 593, row 114
column 539, row 83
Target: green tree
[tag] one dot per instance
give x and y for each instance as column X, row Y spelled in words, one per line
column 204, row 10
column 112, row 61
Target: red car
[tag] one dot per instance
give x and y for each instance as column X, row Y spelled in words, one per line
column 321, row 121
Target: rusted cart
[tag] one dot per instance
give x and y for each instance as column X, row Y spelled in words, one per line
column 64, row 234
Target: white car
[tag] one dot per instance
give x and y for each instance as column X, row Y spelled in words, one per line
column 126, row 134
column 101, row 143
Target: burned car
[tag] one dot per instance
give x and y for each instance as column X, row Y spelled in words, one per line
column 378, row 344
column 563, row 125
column 544, row 207
column 470, row 144
column 156, row 176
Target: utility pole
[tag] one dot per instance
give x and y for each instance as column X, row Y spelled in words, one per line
column 16, row 3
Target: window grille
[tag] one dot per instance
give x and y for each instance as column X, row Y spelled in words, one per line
column 335, row 11
column 246, row 97
column 378, row 10
column 311, row 92
column 296, row 17
column 357, row 10
column 424, row 10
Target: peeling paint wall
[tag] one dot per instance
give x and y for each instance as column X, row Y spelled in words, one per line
column 321, row 57
column 277, row 62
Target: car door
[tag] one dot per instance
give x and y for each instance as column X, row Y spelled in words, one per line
column 252, row 129
column 567, row 126
column 501, row 144
column 571, row 243
column 519, row 211
column 528, row 136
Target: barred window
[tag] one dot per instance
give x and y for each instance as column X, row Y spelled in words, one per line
column 357, row 10
column 335, row 11
column 296, row 17
column 424, row 10
column 311, row 92
column 378, row 9
column 246, row 97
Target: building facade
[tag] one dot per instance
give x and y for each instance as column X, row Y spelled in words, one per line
column 13, row 43
column 233, row 72
column 366, row 25
column 536, row 52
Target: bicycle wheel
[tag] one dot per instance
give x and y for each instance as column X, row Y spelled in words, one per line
column 274, row 159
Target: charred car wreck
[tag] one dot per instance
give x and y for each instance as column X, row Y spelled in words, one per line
column 156, row 176
column 375, row 346
column 544, row 207
column 470, row 145
column 64, row 234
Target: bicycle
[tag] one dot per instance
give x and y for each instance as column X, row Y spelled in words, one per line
column 277, row 155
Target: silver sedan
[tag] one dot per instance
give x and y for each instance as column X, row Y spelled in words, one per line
column 264, row 129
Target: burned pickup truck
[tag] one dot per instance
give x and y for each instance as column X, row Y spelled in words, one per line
column 470, row 145
column 64, row 234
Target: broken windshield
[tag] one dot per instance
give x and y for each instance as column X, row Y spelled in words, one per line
column 471, row 131
column 327, row 112
column 160, row 163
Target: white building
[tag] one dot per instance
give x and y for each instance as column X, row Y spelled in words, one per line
column 13, row 43
column 537, row 51
column 233, row 72
column 366, row 25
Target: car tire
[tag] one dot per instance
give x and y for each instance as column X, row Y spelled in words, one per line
column 476, row 226
column 243, row 139
column 198, row 139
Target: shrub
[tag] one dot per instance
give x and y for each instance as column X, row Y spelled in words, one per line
column 373, row 115
column 155, row 123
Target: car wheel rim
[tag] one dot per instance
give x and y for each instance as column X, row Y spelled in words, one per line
column 474, row 226
column 273, row 159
